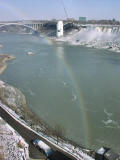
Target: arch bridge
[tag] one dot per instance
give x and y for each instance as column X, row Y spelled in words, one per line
column 37, row 26
column 33, row 26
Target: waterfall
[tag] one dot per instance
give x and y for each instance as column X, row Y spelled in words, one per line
column 96, row 36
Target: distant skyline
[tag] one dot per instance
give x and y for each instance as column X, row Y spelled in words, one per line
column 53, row 9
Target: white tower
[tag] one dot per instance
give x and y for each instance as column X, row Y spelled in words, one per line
column 60, row 28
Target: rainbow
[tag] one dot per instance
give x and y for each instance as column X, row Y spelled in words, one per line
column 48, row 40
column 86, row 127
column 14, row 11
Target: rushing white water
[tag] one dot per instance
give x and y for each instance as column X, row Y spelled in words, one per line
column 96, row 37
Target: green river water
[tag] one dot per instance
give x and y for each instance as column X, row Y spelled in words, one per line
column 72, row 86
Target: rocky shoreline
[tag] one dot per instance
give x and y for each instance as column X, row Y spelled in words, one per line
column 3, row 59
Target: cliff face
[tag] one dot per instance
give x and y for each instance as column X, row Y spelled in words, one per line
column 12, row 97
column 15, row 100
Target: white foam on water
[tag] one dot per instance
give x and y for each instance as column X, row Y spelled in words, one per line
column 107, row 113
column 97, row 37
column 109, row 123
column 64, row 83
column 74, row 97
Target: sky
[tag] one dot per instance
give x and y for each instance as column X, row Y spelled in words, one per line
column 53, row 9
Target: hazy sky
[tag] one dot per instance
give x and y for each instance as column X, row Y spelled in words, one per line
column 49, row 9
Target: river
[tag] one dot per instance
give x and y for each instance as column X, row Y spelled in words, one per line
column 72, row 86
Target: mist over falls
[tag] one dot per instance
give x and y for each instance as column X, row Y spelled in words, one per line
column 97, row 37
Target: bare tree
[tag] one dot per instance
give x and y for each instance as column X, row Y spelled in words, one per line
column 59, row 132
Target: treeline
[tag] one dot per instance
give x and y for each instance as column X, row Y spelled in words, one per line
column 106, row 22
column 111, row 22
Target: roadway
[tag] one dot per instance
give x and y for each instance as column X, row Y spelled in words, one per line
column 29, row 135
